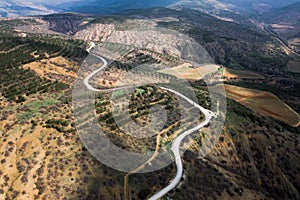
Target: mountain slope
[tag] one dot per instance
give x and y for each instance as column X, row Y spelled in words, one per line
column 286, row 23
column 289, row 14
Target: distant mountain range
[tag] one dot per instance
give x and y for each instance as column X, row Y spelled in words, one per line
column 244, row 7
column 257, row 5
column 12, row 8
column 112, row 6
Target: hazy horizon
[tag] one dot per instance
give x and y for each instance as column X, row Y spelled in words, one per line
column 147, row 1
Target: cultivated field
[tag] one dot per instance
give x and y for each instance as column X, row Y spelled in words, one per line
column 187, row 71
column 264, row 103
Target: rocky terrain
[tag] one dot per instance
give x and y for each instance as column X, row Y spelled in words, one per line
column 96, row 32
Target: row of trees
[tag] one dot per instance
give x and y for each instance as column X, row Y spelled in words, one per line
column 15, row 81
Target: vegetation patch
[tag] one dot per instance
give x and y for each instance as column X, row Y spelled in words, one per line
column 33, row 108
column 118, row 93
column 35, row 105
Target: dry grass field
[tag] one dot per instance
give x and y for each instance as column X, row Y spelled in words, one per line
column 264, row 103
column 233, row 73
column 57, row 68
column 186, row 71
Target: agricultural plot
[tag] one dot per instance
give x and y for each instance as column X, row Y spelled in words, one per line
column 263, row 103
column 187, row 71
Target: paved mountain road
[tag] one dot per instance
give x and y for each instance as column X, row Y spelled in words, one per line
column 176, row 143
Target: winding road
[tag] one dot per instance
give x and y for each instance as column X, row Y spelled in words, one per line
column 176, row 143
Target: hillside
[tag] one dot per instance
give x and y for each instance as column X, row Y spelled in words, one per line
column 285, row 15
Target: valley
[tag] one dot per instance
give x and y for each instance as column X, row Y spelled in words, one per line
column 43, row 153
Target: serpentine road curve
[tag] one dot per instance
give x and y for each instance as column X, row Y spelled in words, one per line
column 176, row 143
